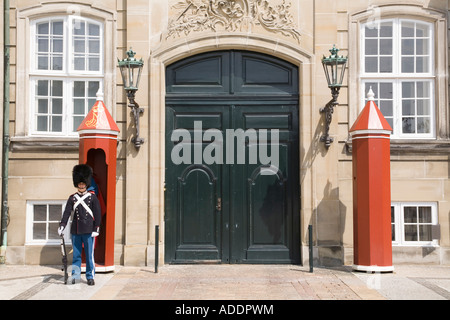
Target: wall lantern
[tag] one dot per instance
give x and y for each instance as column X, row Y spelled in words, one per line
column 131, row 69
column 334, row 67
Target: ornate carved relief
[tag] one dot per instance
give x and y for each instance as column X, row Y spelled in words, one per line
column 231, row 15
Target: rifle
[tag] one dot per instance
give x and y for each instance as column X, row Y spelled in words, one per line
column 64, row 258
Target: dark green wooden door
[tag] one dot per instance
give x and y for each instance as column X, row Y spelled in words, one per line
column 232, row 189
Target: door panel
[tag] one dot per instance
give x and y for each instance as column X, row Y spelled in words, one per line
column 263, row 75
column 264, row 211
column 207, row 73
column 193, row 188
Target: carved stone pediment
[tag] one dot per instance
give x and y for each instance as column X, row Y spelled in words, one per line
column 232, row 16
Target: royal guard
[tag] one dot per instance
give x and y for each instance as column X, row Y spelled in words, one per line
column 85, row 222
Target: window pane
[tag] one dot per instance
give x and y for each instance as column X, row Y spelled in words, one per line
column 94, row 46
column 422, row 64
column 386, row 64
column 43, row 28
column 423, row 125
column 409, row 125
column 371, row 46
column 410, row 214
column 42, row 106
column 78, row 88
column 386, row 29
column 408, row 29
column 76, row 122
column 42, row 87
column 408, row 65
column 53, row 230
column 43, row 45
column 422, row 46
column 408, row 108
column 425, row 233
column 423, row 107
column 425, row 214
column 386, row 91
column 423, row 89
column 57, row 45
column 56, row 124
column 79, row 63
column 94, row 64
column 408, row 46
column 42, row 62
column 422, row 30
column 411, row 233
column 42, row 123
column 79, row 27
column 386, row 108
column 371, row 32
column 40, row 213
column 94, row 29
column 39, row 231
column 386, row 46
column 57, row 63
column 91, row 103
column 371, row 64
column 408, row 90
column 79, row 46
column 57, row 88
column 57, row 106
column 54, row 212
column 93, row 87
column 78, row 106
column 57, row 28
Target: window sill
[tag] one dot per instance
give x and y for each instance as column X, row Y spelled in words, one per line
column 415, row 245
column 400, row 147
column 44, row 143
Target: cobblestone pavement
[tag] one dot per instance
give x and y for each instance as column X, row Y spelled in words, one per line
column 228, row 282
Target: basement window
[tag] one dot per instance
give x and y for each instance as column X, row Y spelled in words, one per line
column 414, row 224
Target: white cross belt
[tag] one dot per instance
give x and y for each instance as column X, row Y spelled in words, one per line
column 81, row 200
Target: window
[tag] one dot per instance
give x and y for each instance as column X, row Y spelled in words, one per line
column 43, row 220
column 398, row 64
column 66, row 73
column 412, row 223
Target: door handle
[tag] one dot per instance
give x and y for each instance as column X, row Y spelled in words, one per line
column 219, row 204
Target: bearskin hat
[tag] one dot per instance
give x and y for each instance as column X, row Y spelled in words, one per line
column 82, row 173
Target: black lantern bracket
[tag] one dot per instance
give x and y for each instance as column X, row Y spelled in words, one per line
column 136, row 112
column 334, row 67
column 131, row 69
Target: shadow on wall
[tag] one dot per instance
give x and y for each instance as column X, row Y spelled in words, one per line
column 328, row 221
column 328, row 218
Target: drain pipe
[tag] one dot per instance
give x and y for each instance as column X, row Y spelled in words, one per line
column 6, row 139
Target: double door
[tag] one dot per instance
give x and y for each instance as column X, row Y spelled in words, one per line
column 231, row 178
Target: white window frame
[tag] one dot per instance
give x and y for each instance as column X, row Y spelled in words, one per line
column 399, row 224
column 30, row 222
column 396, row 77
column 68, row 74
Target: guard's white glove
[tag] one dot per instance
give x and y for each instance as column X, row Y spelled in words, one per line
column 94, row 234
column 60, row 230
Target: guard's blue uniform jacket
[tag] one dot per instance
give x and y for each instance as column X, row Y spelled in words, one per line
column 87, row 213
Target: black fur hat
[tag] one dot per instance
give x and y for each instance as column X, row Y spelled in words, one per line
column 82, row 173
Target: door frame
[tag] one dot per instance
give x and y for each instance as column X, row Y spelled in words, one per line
column 170, row 51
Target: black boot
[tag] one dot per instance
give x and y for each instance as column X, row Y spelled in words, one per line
column 90, row 282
